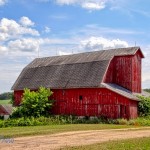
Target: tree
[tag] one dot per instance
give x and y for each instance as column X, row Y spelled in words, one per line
column 144, row 106
column 35, row 103
column 147, row 90
column 6, row 96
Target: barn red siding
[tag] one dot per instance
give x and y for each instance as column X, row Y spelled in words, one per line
column 136, row 73
column 95, row 102
column 90, row 102
column 18, row 97
column 120, row 72
column 126, row 72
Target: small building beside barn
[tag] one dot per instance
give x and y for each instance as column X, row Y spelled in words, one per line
column 6, row 110
column 99, row 83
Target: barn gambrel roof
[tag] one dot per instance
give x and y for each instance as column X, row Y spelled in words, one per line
column 84, row 70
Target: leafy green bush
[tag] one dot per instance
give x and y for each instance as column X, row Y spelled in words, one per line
column 144, row 106
column 34, row 103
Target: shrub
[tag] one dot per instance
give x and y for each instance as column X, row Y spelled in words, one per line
column 122, row 122
column 144, row 106
column 34, row 103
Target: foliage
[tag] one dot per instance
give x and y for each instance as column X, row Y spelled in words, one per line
column 51, row 120
column 141, row 121
column 122, row 121
column 12, row 100
column 6, row 96
column 147, row 90
column 61, row 120
column 35, row 103
column 144, row 106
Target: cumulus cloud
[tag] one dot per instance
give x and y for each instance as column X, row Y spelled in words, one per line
column 87, row 4
column 100, row 43
column 11, row 29
column 25, row 21
column 28, row 44
column 3, row 2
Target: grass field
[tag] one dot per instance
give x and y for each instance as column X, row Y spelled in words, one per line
column 4, row 101
column 51, row 129
column 130, row 144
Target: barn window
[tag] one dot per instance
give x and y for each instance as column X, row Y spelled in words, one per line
column 80, row 97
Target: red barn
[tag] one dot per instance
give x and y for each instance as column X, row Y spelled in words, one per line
column 99, row 83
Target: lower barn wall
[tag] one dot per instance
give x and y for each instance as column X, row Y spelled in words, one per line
column 93, row 102
column 90, row 102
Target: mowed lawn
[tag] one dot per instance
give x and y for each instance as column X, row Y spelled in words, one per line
column 4, row 101
column 52, row 129
column 130, row 144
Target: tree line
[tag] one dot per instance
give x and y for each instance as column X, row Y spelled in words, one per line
column 6, row 96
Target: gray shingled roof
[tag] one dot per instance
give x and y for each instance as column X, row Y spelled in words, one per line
column 82, row 57
column 69, row 71
column 143, row 93
column 120, row 90
column 63, row 76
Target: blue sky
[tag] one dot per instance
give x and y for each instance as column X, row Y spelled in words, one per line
column 58, row 27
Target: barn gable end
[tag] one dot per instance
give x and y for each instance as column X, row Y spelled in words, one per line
column 126, row 71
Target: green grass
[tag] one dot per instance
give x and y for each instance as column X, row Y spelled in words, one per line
column 130, row 144
column 4, row 101
column 51, row 129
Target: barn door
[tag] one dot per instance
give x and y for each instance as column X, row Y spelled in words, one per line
column 123, row 111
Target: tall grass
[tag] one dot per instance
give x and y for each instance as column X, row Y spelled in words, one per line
column 58, row 120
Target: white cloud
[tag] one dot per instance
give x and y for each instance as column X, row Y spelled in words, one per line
column 25, row 21
column 100, row 43
column 64, row 53
column 3, row 2
column 10, row 29
column 47, row 30
column 29, row 45
column 93, row 6
column 87, row 4
column 3, row 49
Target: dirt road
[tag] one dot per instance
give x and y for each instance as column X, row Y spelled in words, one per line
column 56, row 141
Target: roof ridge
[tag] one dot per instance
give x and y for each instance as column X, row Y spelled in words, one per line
column 73, row 63
column 82, row 57
column 137, row 47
